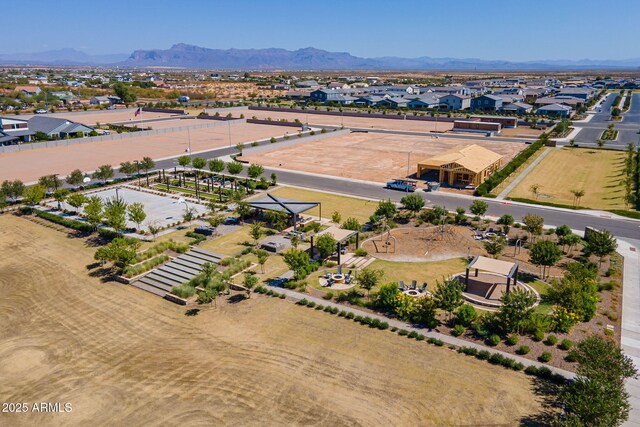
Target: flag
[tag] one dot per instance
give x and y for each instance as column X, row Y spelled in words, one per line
column 138, row 111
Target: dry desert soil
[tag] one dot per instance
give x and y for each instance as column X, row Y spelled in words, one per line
column 121, row 356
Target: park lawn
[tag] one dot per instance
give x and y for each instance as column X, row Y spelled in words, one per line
column 273, row 268
column 347, row 206
column 504, row 184
column 179, row 236
column 229, row 244
column 541, row 287
column 598, row 172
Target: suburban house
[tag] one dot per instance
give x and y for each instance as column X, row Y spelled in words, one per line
column 448, row 90
column 557, row 110
column 57, row 128
column 518, row 108
column 560, row 99
column 424, row 102
column 583, row 93
column 455, row 102
column 393, row 102
column 341, row 96
column 65, row 96
column 105, row 100
column 28, row 90
column 369, row 100
column 486, row 103
column 468, row 165
column 14, row 131
column 337, row 85
column 307, row 84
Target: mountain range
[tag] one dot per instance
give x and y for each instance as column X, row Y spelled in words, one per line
column 189, row 56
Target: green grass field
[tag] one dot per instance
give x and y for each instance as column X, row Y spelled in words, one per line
column 229, row 244
column 598, row 172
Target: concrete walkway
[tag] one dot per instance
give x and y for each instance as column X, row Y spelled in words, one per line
column 524, row 173
column 630, row 340
column 448, row 339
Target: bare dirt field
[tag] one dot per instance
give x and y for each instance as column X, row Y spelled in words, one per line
column 521, row 132
column 121, row 356
column 419, row 244
column 29, row 165
column 90, row 118
column 598, row 172
column 167, row 124
column 357, row 122
column 373, row 157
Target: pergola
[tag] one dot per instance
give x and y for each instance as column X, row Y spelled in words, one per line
column 341, row 235
column 503, row 268
column 279, row 204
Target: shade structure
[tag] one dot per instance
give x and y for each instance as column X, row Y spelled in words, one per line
column 503, row 268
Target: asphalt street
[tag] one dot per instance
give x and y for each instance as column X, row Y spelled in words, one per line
column 628, row 128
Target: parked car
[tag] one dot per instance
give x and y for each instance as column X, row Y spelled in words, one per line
column 204, row 230
column 231, row 220
column 41, row 111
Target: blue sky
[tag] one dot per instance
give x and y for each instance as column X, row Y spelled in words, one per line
column 486, row 29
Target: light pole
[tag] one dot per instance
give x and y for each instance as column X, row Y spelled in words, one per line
column 138, row 168
column 117, row 194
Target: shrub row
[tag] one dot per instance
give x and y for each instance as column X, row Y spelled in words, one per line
column 134, row 270
column 499, row 176
column 83, row 227
column 269, row 292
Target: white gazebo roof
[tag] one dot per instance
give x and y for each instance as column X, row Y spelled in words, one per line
column 497, row 266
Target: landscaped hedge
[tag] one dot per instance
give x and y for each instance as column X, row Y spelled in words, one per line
column 494, row 180
column 73, row 224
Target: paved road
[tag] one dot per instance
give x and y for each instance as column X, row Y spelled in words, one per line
column 628, row 128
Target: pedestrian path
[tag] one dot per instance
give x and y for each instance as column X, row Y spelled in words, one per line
column 524, row 173
column 451, row 340
column 630, row 333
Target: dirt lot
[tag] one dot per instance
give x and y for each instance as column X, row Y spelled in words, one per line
column 598, row 172
column 31, row 164
column 125, row 357
column 90, row 118
column 358, row 122
column 369, row 156
column 522, row 132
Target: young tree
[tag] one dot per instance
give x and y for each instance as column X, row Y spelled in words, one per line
column 263, row 256
column 424, row 311
column 198, row 164
column 535, row 190
column 250, row 280
column 216, row 166
column 274, row 178
column 385, row 298
column 243, row 209
column 336, row 217
column 147, row 164
column 256, row 231
column 103, row 173
column 50, row 182
column 34, row 194
column 60, row 195
column 189, row 214
column 154, row 228
column 128, row 168
column 121, row 251
column 466, row 314
column 77, row 200
column 326, row 245
column 516, row 308
column 368, row 278
column 75, row 178
column 577, row 195
column 601, row 244
column 235, row 168
column 412, row 202
column 12, row 189
column 351, row 224
column 386, row 209
column 597, row 396
column 533, row 224
column 136, row 213
column 448, row 295
column 124, row 93
column 93, row 211
column 240, row 147
column 254, row 171
column 297, row 260
column 495, row 246
column 115, row 210
column 506, row 221
column 479, row 207
column 546, row 254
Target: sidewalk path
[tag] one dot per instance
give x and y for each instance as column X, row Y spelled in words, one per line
column 296, row 296
column 630, row 341
column 524, row 173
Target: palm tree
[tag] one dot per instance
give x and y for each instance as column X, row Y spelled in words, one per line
column 577, row 195
column 535, row 190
